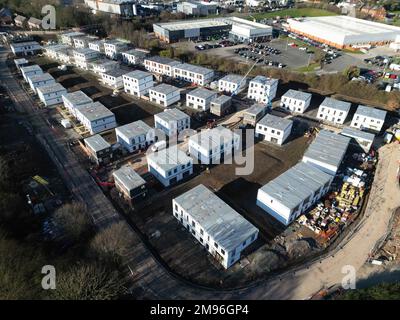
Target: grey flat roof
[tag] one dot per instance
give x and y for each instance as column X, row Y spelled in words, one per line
column 164, row 88
column 212, row 138
column 201, row 93
column 264, row 80
column 221, row 99
column 371, row 112
column 115, row 42
column 55, row 87
column 94, row 111
column 136, row 53
column 72, row 34
column 170, row 158
column 116, row 73
column 294, row 94
column 255, row 109
column 192, row 24
column 20, row 61
column 34, row 67
column 163, row 60
column 56, row 47
column 133, row 129
column 235, row 78
column 41, row 77
column 104, row 62
column 328, row 147
column 97, row 143
column 84, row 51
column 336, row 104
column 172, row 115
column 355, row 133
column 275, row 122
column 23, row 44
column 128, row 177
column 226, row 226
column 193, row 68
column 138, row 74
column 295, row 185
column 77, row 98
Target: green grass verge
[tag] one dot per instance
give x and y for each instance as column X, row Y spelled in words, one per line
column 312, row 67
column 308, row 12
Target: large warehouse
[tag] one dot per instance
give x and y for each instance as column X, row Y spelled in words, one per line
column 236, row 28
column 344, row 31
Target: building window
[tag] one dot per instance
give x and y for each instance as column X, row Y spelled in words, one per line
column 215, row 245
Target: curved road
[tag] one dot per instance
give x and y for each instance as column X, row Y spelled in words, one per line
column 150, row 280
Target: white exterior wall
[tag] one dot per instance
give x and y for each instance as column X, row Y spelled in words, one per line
column 98, row 125
column 29, row 74
column 193, row 77
column 113, row 51
column 171, row 128
column 158, row 68
column 164, row 176
column 199, row 103
column 37, row 84
column 325, row 167
column 111, row 81
column 82, row 60
column 261, row 93
column 360, row 121
column 51, row 99
column 331, row 114
column 269, row 134
column 27, row 49
column 131, row 59
column 132, row 144
column 164, row 99
column 99, row 47
column 138, row 87
column 227, row 86
column 295, row 105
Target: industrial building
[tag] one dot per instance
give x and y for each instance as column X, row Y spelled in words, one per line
column 262, row 89
column 274, row 129
column 327, row 151
column 29, row 71
column 125, row 8
column 171, row 121
column 113, row 48
column 138, row 83
column 200, row 98
column 170, row 165
column 253, row 114
column 220, row 229
column 25, row 48
column 192, row 73
column 344, row 31
column 368, row 118
column 232, row 83
column 113, row 78
column 160, row 65
column 51, row 94
column 362, row 139
column 248, row 31
column 133, row 56
column 296, row 101
column 74, row 100
column 38, row 80
column 220, row 105
column 197, row 8
column 164, row 94
column 99, row 150
column 95, row 117
column 129, row 183
column 286, row 197
column 334, row 111
column 213, row 145
column 135, row 136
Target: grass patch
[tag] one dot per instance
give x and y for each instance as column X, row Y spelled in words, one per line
column 352, row 51
column 295, row 13
column 310, row 68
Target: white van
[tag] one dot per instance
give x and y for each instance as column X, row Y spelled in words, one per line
column 159, row 146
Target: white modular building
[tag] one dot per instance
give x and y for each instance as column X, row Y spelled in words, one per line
column 362, row 139
column 67, row 37
column 51, row 94
column 169, row 166
column 368, row 118
column 327, row 151
column 213, row 145
column 220, row 229
column 296, row 101
column 254, row 114
column 129, row 183
column 220, row 105
column 135, row 136
column 52, row 50
column 113, row 48
column 248, row 31
column 172, row 121
column 101, row 66
column 29, row 71
column 200, row 98
column 262, row 89
column 164, row 94
column 138, row 83
column 95, row 117
column 84, row 56
column 192, row 73
column 334, row 111
column 65, row 56
column 293, row 192
column 113, row 78
column 344, row 31
column 232, row 83
column 25, row 48
column 97, row 45
column 160, row 65
column 83, row 41
column 21, row 62
column 40, row 80
column 100, row 151
column 134, row 57
column 73, row 100
column 274, row 129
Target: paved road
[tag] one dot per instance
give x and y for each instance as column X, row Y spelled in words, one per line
column 151, row 279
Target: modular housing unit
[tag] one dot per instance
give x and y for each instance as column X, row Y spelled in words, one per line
column 274, row 129
column 84, row 56
column 172, row 121
column 138, row 83
column 334, row 111
column 368, row 118
column 51, row 94
column 220, row 229
column 113, row 48
column 160, row 65
column 29, row 71
column 135, row 136
column 296, row 101
column 67, row 37
column 169, row 166
column 100, row 66
column 96, row 117
column 134, row 57
column 113, row 78
column 253, row 114
column 220, row 105
column 192, row 73
column 362, row 139
column 74, row 100
column 200, row 98
column 25, row 48
column 164, row 94
column 40, row 80
column 129, row 183
column 232, row 83
column 100, row 151
column 97, row 45
column 262, row 89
